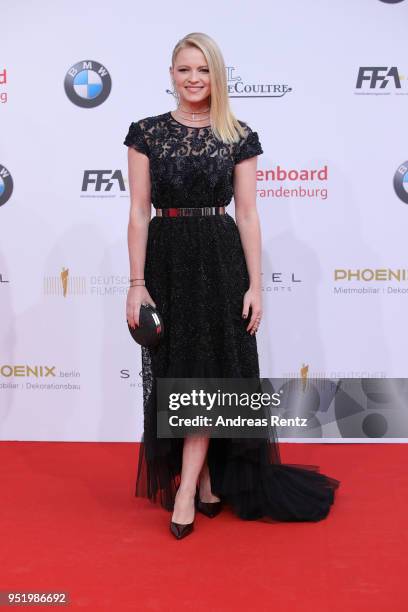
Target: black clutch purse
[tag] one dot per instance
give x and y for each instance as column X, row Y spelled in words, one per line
column 151, row 328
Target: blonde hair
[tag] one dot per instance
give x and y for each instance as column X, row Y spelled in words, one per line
column 224, row 124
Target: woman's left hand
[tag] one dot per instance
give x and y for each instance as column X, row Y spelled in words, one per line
column 253, row 299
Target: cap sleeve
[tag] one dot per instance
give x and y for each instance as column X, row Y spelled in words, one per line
column 248, row 146
column 135, row 138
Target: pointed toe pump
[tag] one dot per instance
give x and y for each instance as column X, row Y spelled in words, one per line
column 180, row 530
column 210, row 509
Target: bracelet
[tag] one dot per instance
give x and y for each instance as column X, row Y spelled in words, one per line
column 132, row 279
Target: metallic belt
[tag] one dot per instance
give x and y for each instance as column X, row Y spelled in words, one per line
column 190, row 212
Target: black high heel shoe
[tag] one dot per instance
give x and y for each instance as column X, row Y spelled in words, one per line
column 181, row 530
column 210, row 509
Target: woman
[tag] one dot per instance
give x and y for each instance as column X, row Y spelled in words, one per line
column 202, row 271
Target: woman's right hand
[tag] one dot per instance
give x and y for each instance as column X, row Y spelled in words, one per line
column 137, row 295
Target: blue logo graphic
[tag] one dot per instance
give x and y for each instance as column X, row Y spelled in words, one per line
column 87, row 84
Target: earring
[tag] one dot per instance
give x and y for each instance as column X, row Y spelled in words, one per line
column 175, row 92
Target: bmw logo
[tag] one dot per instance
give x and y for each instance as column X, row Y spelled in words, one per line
column 401, row 182
column 87, row 84
column 6, row 185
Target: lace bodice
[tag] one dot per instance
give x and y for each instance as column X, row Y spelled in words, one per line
column 188, row 165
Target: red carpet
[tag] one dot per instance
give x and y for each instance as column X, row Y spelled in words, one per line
column 70, row 522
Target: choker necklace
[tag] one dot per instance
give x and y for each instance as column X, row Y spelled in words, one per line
column 193, row 114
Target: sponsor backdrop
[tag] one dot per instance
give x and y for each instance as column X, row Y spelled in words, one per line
column 325, row 86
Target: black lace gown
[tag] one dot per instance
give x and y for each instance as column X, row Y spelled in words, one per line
column 196, row 273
